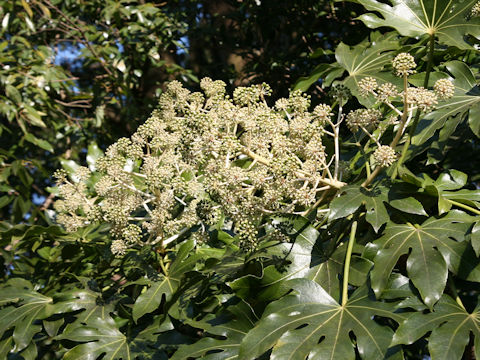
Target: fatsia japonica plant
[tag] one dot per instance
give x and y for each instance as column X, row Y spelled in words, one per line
column 235, row 226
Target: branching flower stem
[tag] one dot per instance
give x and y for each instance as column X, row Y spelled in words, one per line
column 346, row 269
column 260, row 159
column 399, row 133
column 336, row 132
column 413, row 128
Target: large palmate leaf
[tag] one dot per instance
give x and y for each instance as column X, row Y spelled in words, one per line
column 101, row 336
column 329, row 272
column 466, row 101
column 450, row 325
column 310, row 323
column 433, row 248
column 448, row 20
column 29, row 307
column 282, row 260
column 232, row 327
column 82, row 299
column 368, row 59
column 365, row 59
column 353, row 197
column 165, row 284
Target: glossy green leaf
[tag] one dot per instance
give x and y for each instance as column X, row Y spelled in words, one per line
column 447, row 20
column 34, row 116
column 476, row 238
column 93, row 154
column 100, row 336
column 352, row 197
column 326, row 72
column 151, row 299
column 368, row 59
column 365, row 59
column 328, row 269
column 450, row 326
column 39, row 142
column 29, row 307
column 82, row 299
column 310, row 323
column 5, row 347
column 409, row 205
column 433, row 248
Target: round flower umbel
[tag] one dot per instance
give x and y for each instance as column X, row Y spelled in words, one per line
column 367, row 85
column 384, row 156
column 404, row 64
column 424, row 99
column 386, row 92
column 475, row 10
column 444, row 88
column 203, row 159
column 363, row 118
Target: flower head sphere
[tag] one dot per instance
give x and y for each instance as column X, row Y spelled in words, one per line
column 444, row 89
column 384, row 156
column 404, row 64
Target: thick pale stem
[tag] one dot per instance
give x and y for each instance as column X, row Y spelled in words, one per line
column 463, row 206
column 336, row 132
column 346, row 269
column 454, row 291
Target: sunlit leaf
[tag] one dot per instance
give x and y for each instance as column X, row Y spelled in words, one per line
column 447, row 20
column 433, row 248
column 310, row 323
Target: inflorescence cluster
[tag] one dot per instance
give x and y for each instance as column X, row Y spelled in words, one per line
column 205, row 158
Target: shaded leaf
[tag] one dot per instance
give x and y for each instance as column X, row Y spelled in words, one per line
column 165, row 285
column 39, row 142
column 29, row 307
column 231, row 328
column 353, row 197
column 101, row 336
column 451, row 326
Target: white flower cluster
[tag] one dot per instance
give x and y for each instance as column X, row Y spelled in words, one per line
column 201, row 158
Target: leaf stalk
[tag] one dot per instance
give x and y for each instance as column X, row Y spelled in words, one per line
column 346, row 269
